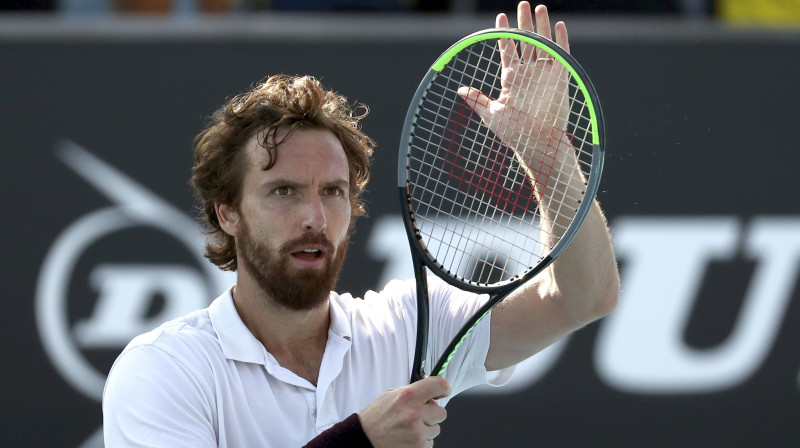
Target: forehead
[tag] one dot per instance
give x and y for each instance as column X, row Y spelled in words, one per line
column 305, row 152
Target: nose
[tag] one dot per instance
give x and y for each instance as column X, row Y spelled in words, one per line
column 314, row 215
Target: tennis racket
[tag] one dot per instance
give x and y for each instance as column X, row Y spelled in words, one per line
column 492, row 193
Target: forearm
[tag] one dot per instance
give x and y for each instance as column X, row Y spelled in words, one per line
column 581, row 286
column 585, row 278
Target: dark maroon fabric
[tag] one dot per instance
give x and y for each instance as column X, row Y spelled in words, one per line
column 347, row 433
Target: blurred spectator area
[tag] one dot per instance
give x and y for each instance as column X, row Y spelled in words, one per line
column 27, row 5
column 465, row 6
column 777, row 12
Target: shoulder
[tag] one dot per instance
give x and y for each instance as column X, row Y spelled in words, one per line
column 180, row 345
column 166, row 374
column 179, row 335
column 171, row 359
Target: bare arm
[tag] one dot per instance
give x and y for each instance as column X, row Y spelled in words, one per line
column 582, row 285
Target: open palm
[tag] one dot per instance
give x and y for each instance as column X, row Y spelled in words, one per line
column 531, row 111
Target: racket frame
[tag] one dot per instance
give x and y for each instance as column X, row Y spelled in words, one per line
column 420, row 256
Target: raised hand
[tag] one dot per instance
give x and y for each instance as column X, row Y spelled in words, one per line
column 531, row 111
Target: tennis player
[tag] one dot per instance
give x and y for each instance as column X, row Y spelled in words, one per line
column 279, row 360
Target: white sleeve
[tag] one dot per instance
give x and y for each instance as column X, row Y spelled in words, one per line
column 449, row 309
column 151, row 399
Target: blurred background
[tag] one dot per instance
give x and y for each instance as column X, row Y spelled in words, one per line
column 100, row 101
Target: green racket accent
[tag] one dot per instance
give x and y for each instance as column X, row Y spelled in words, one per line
column 445, row 58
column 443, row 369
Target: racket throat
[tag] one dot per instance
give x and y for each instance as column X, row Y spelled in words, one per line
column 421, row 351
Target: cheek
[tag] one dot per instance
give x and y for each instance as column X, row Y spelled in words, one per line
column 342, row 217
column 265, row 227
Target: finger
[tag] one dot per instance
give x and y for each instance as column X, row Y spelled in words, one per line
column 501, row 21
column 506, row 48
column 525, row 22
column 480, row 103
column 562, row 38
column 433, row 386
column 431, row 432
column 524, row 16
column 543, row 22
column 433, row 414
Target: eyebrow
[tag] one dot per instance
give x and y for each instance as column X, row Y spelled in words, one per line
column 341, row 183
column 275, row 183
column 282, row 182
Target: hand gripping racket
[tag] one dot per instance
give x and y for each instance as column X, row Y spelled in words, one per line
column 500, row 159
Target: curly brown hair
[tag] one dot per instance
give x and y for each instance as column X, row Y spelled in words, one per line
column 279, row 104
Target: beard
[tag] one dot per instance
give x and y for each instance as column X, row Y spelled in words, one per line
column 296, row 289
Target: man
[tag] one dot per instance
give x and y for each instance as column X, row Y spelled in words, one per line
column 280, row 360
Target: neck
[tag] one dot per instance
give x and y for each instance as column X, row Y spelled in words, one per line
column 295, row 338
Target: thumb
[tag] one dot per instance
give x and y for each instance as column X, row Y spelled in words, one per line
column 432, row 388
column 476, row 100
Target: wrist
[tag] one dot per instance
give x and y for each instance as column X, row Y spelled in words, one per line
column 347, row 433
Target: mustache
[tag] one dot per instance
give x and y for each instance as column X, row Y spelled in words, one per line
column 306, row 239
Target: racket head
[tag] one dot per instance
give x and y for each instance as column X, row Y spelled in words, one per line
column 469, row 206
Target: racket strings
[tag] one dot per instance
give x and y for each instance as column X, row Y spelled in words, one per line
column 474, row 202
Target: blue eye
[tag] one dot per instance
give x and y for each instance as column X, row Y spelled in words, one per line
column 282, row 191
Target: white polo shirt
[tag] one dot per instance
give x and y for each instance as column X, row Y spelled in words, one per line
column 204, row 380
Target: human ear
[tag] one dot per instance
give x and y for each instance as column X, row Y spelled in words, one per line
column 228, row 217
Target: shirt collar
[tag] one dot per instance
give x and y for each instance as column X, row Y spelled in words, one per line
column 340, row 324
column 239, row 344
